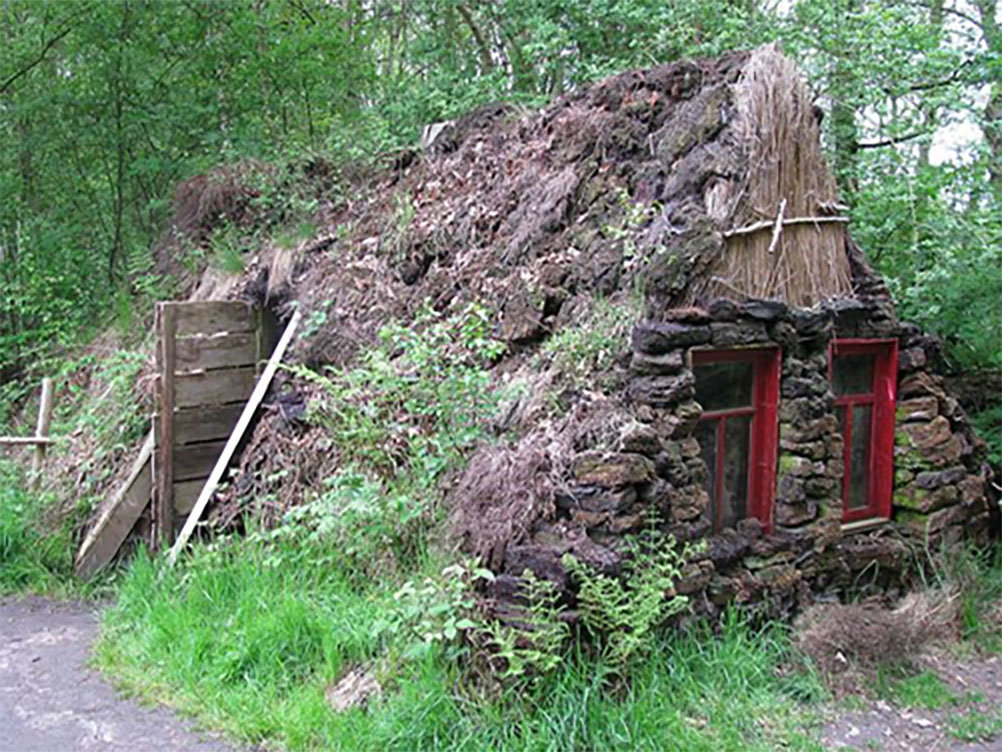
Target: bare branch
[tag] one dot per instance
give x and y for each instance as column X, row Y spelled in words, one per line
column 37, row 61
column 888, row 141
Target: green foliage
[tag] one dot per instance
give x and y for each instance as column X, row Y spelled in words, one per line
column 32, row 559
column 410, row 409
column 251, row 648
column 537, row 644
column 622, row 611
column 593, row 346
column 988, row 424
column 415, row 403
column 434, row 612
column 357, row 523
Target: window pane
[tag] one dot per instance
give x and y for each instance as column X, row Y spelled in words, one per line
column 859, row 457
column 853, row 374
column 706, row 434
column 737, row 442
column 722, row 386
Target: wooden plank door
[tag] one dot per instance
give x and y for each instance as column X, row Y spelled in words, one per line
column 208, row 355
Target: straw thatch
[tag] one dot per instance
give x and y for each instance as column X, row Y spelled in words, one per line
column 788, row 178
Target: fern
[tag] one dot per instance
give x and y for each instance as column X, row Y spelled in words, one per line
column 624, row 611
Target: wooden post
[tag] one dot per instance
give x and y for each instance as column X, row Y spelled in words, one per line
column 41, row 432
column 163, row 504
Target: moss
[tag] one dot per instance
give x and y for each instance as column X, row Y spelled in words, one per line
column 786, row 464
column 911, row 498
column 903, row 476
column 906, row 516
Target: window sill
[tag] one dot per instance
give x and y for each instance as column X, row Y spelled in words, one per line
column 861, row 526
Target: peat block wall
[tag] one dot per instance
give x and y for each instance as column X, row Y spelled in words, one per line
column 939, row 482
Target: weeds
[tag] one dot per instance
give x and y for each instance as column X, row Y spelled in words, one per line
column 976, row 725
column 33, row 558
column 535, row 646
column 623, row 611
column 251, row 648
column 593, row 346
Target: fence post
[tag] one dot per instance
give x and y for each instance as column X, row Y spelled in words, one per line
column 163, row 463
column 41, row 432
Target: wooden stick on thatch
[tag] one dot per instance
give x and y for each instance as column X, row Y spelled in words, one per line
column 778, row 229
column 767, row 223
column 231, row 445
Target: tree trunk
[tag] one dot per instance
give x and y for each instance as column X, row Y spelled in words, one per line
column 991, row 124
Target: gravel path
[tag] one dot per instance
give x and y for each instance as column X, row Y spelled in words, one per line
column 50, row 701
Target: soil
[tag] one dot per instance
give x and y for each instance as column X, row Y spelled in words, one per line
column 51, row 701
column 975, row 682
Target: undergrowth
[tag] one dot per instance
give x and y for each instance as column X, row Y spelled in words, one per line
column 34, row 557
column 400, row 420
column 590, row 348
column 251, row 648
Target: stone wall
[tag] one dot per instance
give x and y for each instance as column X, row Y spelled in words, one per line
column 939, row 487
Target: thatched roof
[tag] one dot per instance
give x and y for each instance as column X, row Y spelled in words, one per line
column 632, row 188
column 634, row 183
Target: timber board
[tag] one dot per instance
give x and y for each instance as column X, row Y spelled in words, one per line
column 195, row 424
column 120, row 516
column 196, row 460
column 185, row 494
column 202, row 353
column 214, row 387
column 213, row 317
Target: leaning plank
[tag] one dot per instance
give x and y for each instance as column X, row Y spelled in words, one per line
column 216, row 351
column 118, row 518
column 213, row 317
column 213, row 387
column 245, row 418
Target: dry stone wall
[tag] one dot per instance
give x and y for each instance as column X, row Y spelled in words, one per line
column 656, row 466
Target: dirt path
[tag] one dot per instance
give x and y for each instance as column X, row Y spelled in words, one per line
column 968, row 721
column 50, row 701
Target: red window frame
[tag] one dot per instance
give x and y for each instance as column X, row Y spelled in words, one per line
column 882, row 397
column 764, row 442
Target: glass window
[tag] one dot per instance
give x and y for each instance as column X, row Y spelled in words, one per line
column 720, row 386
column 853, row 374
column 737, row 434
column 863, row 381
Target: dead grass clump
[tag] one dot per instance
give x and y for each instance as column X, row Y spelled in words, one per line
column 502, row 493
column 849, row 643
column 204, row 202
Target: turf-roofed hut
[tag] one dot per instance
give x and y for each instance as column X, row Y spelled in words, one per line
column 755, row 388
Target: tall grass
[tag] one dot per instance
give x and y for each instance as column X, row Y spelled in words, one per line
column 249, row 647
column 32, row 559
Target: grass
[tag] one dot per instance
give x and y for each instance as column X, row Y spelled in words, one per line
column 976, row 725
column 250, row 648
column 922, row 690
column 30, row 560
column 36, row 556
